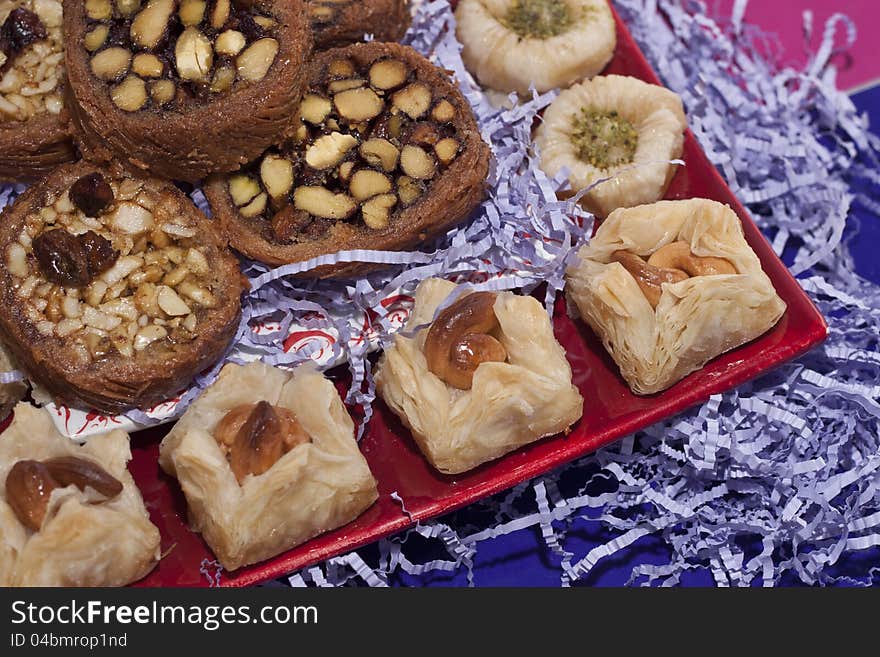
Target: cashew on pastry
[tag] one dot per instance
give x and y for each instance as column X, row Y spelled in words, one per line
column 669, row 286
column 460, row 339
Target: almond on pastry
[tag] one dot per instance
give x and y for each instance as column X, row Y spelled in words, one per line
column 70, row 515
column 267, row 459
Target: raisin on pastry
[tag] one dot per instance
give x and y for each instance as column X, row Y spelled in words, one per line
column 387, row 155
column 34, row 134
column 341, row 22
column 187, row 88
column 116, row 289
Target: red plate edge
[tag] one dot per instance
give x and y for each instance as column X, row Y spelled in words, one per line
column 611, row 411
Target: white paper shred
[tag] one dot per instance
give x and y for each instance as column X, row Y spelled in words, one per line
column 773, row 482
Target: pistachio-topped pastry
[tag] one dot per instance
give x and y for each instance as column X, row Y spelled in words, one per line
column 618, row 127
column 512, row 45
column 184, row 88
column 386, row 155
column 33, row 124
column 117, row 290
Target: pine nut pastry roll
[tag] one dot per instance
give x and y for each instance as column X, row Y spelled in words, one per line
column 341, row 22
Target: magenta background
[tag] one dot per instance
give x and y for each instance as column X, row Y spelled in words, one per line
column 783, row 17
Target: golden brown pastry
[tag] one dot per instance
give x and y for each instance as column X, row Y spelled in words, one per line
column 387, row 156
column 613, row 126
column 183, row 88
column 116, row 290
column 34, row 135
column 670, row 286
column 267, row 460
column 70, row 515
column 485, row 378
column 341, row 22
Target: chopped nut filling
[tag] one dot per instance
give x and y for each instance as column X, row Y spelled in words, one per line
column 371, row 141
column 165, row 53
column 31, row 58
column 254, row 436
column 107, row 267
column 539, row 19
column 604, row 139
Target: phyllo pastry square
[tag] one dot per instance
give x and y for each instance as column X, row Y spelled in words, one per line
column 267, row 460
column 486, row 377
column 670, row 286
column 70, row 515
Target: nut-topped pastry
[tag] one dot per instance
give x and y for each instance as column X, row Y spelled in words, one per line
column 616, row 127
column 70, row 515
column 512, row 45
column 34, row 136
column 184, row 88
column 670, row 286
column 267, row 459
column 341, row 22
column 386, row 156
column 116, row 289
column 480, row 378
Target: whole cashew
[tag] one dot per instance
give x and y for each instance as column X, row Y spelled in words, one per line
column 678, row 255
column 458, row 340
column 649, row 277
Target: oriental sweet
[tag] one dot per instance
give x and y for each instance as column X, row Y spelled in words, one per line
column 387, row 155
column 613, row 127
column 486, row 377
column 184, row 88
column 514, row 45
column 34, row 136
column 267, row 459
column 670, row 286
column 70, row 515
column 342, row 22
column 116, row 289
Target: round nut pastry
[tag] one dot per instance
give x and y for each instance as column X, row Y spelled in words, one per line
column 116, row 289
column 34, row 134
column 615, row 127
column 183, row 88
column 341, row 22
column 511, row 45
column 387, row 155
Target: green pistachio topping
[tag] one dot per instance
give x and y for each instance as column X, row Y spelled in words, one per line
column 539, row 19
column 603, row 139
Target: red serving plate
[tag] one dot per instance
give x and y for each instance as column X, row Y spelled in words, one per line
column 611, row 411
